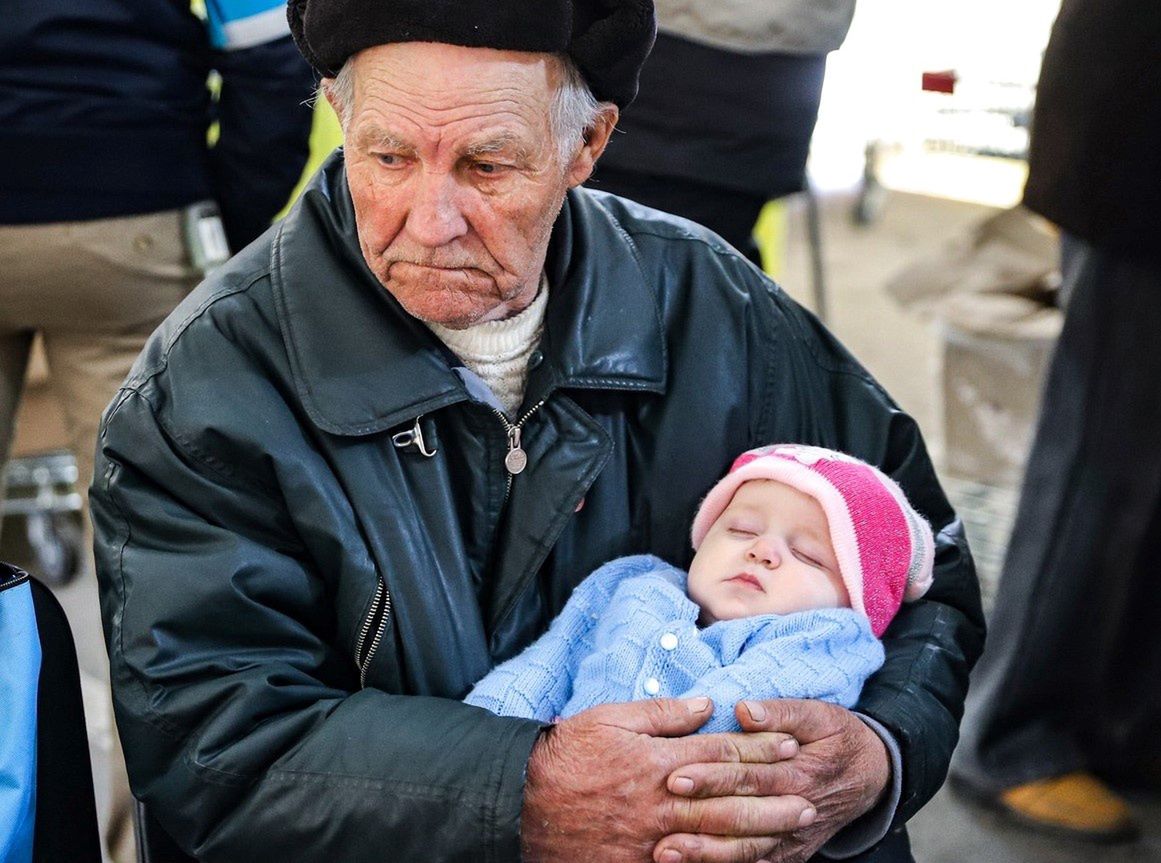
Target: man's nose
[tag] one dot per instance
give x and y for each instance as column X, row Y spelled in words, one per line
column 764, row 553
column 435, row 218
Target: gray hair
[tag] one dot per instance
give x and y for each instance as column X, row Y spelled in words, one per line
column 574, row 108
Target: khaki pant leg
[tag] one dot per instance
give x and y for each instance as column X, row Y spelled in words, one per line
column 14, row 351
column 85, row 371
column 140, row 272
column 95, row 291
column 15, row 336
column 135, row 271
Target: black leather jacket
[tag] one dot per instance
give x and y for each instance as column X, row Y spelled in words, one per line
column 295, row 595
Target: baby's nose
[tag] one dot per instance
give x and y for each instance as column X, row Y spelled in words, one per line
column 763, row 553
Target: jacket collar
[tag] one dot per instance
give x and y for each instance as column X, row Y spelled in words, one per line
column 361, row 364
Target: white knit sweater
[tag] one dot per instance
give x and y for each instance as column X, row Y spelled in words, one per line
column 498, row 351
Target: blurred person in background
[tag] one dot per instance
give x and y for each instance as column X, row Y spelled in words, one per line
column 112, row 202
column 726, row 110
column 1067, row 698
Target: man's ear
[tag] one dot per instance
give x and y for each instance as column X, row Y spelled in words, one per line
column 327, row 85
column 595, row 140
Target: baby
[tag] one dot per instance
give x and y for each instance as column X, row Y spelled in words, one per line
column 803, row 556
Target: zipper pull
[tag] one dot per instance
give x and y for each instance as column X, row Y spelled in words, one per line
column 516, row 459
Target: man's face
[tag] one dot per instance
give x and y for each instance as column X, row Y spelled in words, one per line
column 769, row 552
column 456, row 176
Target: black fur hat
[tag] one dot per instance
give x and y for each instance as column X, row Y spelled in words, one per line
column 607, row 39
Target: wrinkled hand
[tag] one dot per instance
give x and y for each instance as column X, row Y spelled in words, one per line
column 596, row 787
column 842, row 768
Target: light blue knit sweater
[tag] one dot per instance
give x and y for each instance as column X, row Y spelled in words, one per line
column 629, row 632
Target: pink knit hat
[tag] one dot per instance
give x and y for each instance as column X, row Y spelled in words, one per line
column 884, row 547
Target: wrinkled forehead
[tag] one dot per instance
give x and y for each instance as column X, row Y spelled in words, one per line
column 427, row 92
column 440, row 77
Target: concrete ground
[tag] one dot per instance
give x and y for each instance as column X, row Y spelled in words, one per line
column 904, row 354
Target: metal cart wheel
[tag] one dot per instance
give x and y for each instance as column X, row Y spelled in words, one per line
column 41, row 490
column 56, row 540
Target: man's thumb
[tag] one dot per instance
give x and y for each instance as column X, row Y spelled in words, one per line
column 657, row 717
column 804, row 719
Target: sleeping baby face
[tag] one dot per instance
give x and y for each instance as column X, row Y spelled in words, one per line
column 769, row 552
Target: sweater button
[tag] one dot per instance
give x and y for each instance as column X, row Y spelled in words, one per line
column 652, row 686
column 669, row 641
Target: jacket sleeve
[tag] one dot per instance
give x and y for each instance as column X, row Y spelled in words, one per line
column 244, row 725
column 822, row 656
column 933, row 643
column 263, row 112
column 813, row 390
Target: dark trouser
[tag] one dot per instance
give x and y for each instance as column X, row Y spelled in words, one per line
column 728, row 213
column 1071, row 678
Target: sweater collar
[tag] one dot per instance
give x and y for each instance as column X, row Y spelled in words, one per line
column 498, row 341
column 361, row 364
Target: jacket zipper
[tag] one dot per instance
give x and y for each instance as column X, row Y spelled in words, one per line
column 514, row 462
column 516, row 459
column 376, row 621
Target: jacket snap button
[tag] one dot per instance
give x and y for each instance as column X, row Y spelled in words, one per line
column 535, row 359
column 669, row 641
column 652, row 686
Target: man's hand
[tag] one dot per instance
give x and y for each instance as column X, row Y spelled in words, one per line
column 842, row 768
column 596, row 787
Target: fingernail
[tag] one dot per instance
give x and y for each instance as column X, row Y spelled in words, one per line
column 756, row 710
column 670, row 855
column 788, row 748
column 699, row 705
column 681, row 785
column 807, row 817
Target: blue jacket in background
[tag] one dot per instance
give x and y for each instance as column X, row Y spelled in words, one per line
column 19, row 675
column 104, row 110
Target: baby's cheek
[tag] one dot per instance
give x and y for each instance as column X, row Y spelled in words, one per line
column 695, row 584
column 840, row 597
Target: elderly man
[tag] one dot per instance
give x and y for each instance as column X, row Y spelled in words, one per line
column 372, row 456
